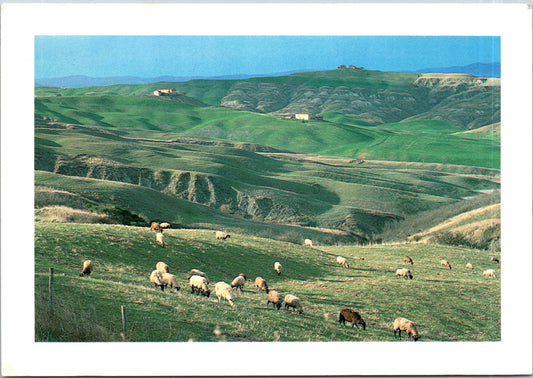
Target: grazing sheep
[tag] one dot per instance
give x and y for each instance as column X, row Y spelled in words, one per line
column 199, row 285
column 238, row 282
column 342, row 261
column 277, row 267
column 402, row 324
column 308, row 243
column 155, row 226
column 275, row 298
column 350, row 315
column 445, row 263
column 494, row 259
column 156, row 277
column 170, row 280
column 294, row 302
column 159, row 238
column 489, row 273
column 221, row 235
column 164, row 225
column 87, row 268
column 225, row 291
column 469, row 266
column 261, row 284
column 196, row 272
column 162, row 267
column 404, row 273
column 408, row 260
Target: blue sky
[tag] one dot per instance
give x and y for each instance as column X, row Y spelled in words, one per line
column 152, row 56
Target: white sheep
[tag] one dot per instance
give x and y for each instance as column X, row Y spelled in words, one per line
column 225, row 291
column 308, row 243
column 238, row 282
column 402, row 324
column 162, row 267
column 445, row 263
column 469, row 266
column 221, row 235
column 342, row 261
column 404, row 272
column 261, row 284
column 87, row 268
column 164, row 225
column 159, row 238
column 170, row 280
column 277, row 267
column 156, row 277
column 489, row 273
column 198, row 285
column 196, row 272
column 275, row 298
column 294, row 302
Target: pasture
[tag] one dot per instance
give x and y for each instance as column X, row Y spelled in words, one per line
column 447, row 305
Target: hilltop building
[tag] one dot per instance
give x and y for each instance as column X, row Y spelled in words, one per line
column 163, row 92
column 350, row 67
column 304, row 116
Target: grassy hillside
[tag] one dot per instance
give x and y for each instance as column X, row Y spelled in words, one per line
column 246, row 182
column 374, row 97
column 447, row 305
column 348, row 136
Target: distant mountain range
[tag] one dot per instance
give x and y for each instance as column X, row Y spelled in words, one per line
column 79, row 81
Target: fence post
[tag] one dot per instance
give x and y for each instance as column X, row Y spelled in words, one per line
column 50, row 287
column 124, row 325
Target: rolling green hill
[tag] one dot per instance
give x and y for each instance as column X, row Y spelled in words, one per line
column 373, row 96
column 245, row 182
column 388, row 162
column 446, row 305
column 160, row 118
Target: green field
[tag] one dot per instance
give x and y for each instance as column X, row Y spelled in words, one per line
column 447, row 305
column 159, row 118
column 388, row 161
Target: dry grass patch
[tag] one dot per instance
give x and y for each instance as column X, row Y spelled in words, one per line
column 65, row 214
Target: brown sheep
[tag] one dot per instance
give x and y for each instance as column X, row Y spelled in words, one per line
column 494, row 259
column 261, row 284
column 155, row 226
column 350, row 315
column 87, row 268
column 275, row 298
column 408, row 260
column 402, row 324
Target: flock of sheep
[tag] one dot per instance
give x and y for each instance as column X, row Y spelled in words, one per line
column 199, row 284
